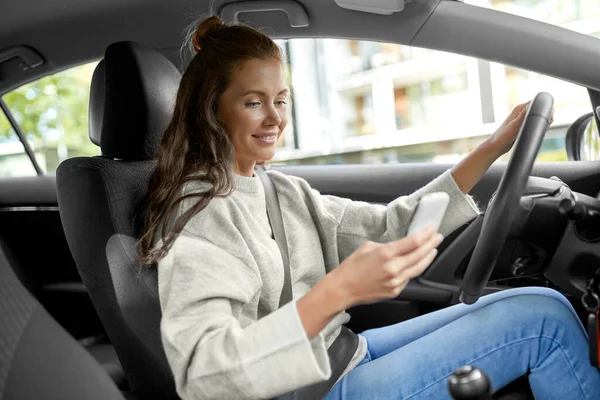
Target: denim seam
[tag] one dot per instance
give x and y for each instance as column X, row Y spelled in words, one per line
column 568, row 362
column 499, row 348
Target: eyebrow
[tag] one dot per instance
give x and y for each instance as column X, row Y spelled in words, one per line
column 261, row 93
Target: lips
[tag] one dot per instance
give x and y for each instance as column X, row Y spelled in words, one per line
column 265, row 135
column 267, row 138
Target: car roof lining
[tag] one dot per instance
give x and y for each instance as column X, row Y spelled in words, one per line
column 445, row 25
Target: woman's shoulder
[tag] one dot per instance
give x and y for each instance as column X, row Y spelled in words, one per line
column 214, row 214
column 196, row 184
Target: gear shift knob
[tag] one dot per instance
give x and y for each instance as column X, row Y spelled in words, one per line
column 469, row 383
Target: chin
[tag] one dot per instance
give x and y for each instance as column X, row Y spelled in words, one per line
column 265, row 156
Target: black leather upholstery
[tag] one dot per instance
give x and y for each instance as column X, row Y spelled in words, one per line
column 140, row 86
column 96, row 107
column 38, row 358
column 106, row 356
column 99, row 198
column 103, row 353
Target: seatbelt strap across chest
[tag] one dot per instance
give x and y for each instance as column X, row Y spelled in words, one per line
column 276, row 221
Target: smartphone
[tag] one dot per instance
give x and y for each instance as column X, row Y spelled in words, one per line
column 430, row 211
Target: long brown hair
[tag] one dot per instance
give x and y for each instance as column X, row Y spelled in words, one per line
column 195, row 141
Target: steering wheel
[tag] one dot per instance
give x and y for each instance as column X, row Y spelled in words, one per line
column 501, row 213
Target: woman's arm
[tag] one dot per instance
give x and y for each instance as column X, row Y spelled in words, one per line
column 343, row 225
column 470, row 170
column 353, row 222
column 214, row 349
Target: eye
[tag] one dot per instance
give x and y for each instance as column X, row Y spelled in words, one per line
column 253, row 104
column 281, row 103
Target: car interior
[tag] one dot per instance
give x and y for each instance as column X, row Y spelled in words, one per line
column 80, row 318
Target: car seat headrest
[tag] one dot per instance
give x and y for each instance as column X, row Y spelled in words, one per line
column 96, row 104
column 132, row 96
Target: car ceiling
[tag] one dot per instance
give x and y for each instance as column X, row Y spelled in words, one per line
column 71, row 32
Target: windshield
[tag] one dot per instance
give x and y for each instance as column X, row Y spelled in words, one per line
column 582, row 16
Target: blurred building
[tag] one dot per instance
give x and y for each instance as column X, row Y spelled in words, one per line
column 367, row 102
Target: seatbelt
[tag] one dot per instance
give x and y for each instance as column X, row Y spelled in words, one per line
column 276, row 221
column 344, row 346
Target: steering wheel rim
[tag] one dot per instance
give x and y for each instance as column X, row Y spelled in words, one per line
column 501, row 212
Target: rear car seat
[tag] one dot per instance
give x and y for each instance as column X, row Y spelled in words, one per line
column 104, row 353
column 38, row 358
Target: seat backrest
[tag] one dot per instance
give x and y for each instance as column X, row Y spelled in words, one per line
column 38, row 358
column 131, row 101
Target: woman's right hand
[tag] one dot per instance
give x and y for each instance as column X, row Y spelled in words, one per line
column 379, row 271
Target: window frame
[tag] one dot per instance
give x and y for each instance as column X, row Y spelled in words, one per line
column 19, row 132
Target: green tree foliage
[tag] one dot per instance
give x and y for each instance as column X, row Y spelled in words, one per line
column 53, row 114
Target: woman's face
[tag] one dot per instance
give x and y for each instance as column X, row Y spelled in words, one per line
column 253, row 110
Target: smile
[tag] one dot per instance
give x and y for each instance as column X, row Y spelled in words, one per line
column 270, row 139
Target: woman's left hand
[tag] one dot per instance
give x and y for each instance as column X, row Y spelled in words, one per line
column 501, row 141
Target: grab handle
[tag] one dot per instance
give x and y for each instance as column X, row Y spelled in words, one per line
column 296, row 13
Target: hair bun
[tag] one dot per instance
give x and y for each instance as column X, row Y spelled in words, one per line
column 205, row 27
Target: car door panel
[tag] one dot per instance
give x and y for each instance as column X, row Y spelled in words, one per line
column 32, row 230
column 32, row 234
column 383, row 183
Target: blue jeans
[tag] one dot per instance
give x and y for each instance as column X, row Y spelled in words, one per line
column 506, row 334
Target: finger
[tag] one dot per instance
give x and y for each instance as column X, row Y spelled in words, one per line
column 416, row 255
column 518, row 119
column 521, row 115
column 514, row 114
column 407, row 260
column 518, row 109
column 409, row 243
column 398, row 289
column 420, row 267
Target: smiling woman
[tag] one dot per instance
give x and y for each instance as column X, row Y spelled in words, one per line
column 253, row 109
column 428, row 84
column 227, row 136
column 225, row 331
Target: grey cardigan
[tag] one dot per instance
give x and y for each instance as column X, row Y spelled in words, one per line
column 220, row 283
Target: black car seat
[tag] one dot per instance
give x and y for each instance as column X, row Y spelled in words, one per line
column 132, row 96
column 96, row 345
column 38, row 358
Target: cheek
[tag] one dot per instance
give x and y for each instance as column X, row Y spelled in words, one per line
column 241, row 122
column 284, row 115
column 256, row 115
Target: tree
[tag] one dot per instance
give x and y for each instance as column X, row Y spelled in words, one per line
column 52, row 112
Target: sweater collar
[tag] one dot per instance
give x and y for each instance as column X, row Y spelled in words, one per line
column 248, row 184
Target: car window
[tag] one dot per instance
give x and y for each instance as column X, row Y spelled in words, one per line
column 367, row 102
column 574, row 14
column 52, row 113
column 14, row 161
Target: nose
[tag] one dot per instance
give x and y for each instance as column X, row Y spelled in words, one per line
column 272, row 117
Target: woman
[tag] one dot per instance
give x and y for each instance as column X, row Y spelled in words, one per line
column 221, row 274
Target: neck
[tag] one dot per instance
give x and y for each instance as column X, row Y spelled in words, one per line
column 244, row 168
